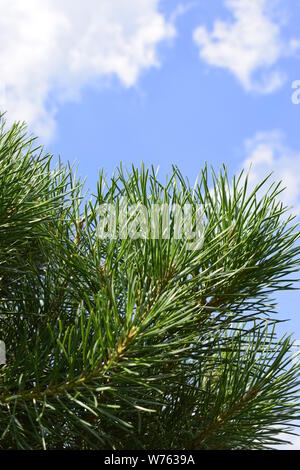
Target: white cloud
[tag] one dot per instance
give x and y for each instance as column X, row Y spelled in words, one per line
column 49, row 50
column 249, row 46
column 267, row 153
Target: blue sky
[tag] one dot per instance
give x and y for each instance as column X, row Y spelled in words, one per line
column 185, row 111
column 165, row 82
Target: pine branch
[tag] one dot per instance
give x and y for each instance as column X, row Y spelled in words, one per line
column 141, row 343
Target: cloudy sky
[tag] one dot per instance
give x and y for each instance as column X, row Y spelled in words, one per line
column 170, row 81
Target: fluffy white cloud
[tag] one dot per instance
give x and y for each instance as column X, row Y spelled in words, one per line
column 49, row 50
column 249, row 46
column 266, row 154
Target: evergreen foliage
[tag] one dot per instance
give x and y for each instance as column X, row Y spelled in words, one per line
column 141, row 343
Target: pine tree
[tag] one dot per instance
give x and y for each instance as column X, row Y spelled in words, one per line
column 138, row 343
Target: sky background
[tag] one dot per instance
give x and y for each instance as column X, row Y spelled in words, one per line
column 168, row 81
